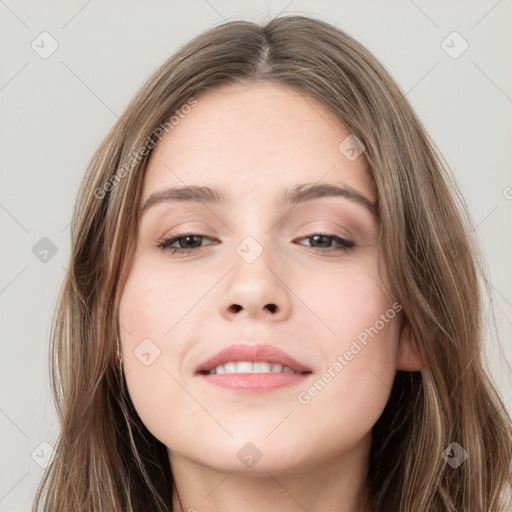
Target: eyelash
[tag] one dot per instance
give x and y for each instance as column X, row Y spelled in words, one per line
column 164, row 245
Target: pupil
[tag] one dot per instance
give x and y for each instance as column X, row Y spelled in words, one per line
column 187, row 239
column 326, row 244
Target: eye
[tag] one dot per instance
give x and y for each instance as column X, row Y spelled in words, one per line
column 188, row 242
column 324, row 240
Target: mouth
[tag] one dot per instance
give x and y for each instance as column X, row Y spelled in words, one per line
column 253, row 368
column 246, row 367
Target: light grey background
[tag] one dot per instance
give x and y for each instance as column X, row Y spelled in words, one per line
column 55, row 111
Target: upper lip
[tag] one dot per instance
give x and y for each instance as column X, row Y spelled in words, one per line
column 253, row 353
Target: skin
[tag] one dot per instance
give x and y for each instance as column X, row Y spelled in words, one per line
column 255, row 140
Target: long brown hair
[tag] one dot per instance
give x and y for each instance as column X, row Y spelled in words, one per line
column 105, row 457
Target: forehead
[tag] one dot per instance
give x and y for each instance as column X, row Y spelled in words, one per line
column 255, row 138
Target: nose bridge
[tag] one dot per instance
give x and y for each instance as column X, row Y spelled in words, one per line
column 255, row 259
column 253, row 231
column 256, row 282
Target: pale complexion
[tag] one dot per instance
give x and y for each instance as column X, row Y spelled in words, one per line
column 255, row 141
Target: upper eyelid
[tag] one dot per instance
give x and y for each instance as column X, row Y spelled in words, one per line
column 212, row 237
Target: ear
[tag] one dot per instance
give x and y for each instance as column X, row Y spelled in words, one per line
column 408, row 357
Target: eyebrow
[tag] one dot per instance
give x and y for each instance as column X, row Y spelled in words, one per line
column 297, row 194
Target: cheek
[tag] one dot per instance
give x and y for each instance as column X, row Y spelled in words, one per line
column 150, row 311
column 360, row 326
column 156, row 300
column 348, row 303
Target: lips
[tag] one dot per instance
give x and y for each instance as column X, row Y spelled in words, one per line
column 252, row 353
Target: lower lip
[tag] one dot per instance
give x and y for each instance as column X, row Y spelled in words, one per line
column 255, row 381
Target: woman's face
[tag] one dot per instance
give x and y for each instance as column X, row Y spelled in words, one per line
column 300, row 276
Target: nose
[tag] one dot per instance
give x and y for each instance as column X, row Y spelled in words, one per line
column 256, row 290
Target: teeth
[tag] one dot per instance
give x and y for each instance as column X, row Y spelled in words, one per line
column 244, row 367
column 248, row 367
column 229, row 368
column 262, row 367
